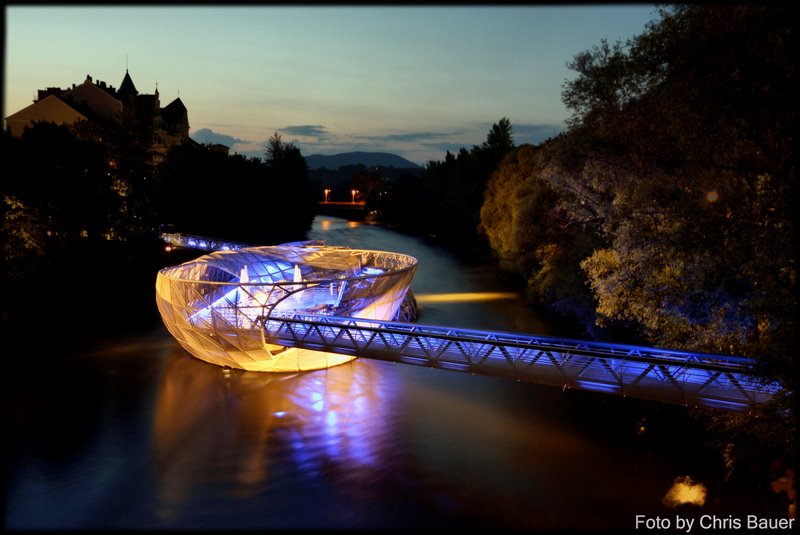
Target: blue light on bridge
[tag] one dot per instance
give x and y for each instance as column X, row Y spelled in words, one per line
column 306, row 306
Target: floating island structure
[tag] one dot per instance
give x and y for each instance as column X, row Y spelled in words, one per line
column 218, row 305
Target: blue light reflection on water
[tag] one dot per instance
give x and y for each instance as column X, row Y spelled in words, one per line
column 136, row 434
column 364, row 444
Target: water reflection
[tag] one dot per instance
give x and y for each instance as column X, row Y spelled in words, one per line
column 464, row 297
column 453, row 293
column 327, row 223
column 137, row 434
column 685, row 491
column 215, row 425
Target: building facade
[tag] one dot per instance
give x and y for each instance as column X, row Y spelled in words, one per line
column 96, row 101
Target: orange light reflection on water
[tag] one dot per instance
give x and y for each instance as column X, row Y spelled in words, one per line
column 327, row 420
column 685, row 491
column 327, row 224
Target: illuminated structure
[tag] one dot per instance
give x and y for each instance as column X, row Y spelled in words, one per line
column 219, row 306
column 305, row 306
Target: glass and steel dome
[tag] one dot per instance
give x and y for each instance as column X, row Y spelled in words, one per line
column 217, row 306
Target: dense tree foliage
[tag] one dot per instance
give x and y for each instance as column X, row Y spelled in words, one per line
column 290, row 189
column 369, row 188
column 447, row 197
column 230, row 197
column 533, row 238
column 673, row 191
column 76, row 186
column 75, row 215
column 698, row 208
column 82, row 207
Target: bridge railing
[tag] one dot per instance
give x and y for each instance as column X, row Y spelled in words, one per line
column 201, row 243
column 687, row 378
column 666, row 375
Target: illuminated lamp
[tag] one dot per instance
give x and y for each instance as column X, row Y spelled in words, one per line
column 218, row 306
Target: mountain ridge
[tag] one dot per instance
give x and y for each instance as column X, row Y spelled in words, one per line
column 368, row 159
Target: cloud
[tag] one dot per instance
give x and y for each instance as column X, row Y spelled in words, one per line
column 411, row 137
column 399, row 143
column 534, row 133
column 208, row 136
column 317, row 140
column 445, row 146
column 306, row 130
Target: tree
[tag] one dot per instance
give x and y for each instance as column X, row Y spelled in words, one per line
column 698, row 201
column 370, row 187
column 456, row 187
column 606, row 83
column 24, row 240
column 70, row 220
column 531, row 236
column 277, row 151
column 514, row 210
column 499, row 140
column 684, row 166
column 289, row 189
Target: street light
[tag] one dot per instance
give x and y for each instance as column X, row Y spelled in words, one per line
column 327, row 191
column 354, row 195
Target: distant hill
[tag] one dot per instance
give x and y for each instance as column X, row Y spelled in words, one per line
column 368, row 159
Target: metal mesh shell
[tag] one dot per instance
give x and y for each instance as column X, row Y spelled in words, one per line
column 217, row 306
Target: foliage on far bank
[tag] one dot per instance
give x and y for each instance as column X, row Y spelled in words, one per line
column 232, row 197
column 444, row 201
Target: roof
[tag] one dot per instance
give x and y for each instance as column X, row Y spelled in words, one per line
column 127, row 85
column 95, row 97
column 51, row 109
column 175, row 105
column 175, row 111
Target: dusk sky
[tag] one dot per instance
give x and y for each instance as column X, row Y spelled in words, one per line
column 411, row 80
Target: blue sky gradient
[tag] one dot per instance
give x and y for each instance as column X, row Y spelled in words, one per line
column 411, row 80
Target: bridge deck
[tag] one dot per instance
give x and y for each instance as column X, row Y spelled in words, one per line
column 666, row 375
column 657, row 374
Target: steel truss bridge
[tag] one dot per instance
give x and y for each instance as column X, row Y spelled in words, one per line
column 655, row 374
column 672, row 376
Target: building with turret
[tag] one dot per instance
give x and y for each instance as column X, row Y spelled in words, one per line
column 96, row 101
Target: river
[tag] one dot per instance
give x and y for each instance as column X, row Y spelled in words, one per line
column 131, row 432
